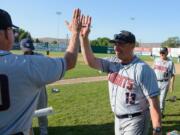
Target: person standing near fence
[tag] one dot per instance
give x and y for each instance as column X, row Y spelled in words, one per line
column 165, row 73
column 133, row 88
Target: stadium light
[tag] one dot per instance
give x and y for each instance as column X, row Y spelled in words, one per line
column 58, row 13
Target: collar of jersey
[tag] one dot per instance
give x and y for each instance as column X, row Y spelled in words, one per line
column 3, row 53
column 126, row 66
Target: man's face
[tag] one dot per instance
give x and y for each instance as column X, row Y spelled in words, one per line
column 123, row 50
column 163, row 55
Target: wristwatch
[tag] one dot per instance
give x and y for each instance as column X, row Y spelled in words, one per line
column 157, row 130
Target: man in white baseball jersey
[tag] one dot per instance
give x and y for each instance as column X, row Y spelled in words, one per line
column 165, row 73
column 22, row 76
column 28, row 49
column 133, row 88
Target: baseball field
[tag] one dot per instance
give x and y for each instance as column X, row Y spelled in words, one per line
column 83, row 108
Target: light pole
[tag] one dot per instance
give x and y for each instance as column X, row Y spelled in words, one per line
column 58, row 13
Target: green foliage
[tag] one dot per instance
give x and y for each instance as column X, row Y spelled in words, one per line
column 172, row 42
column 101, row 42
column 54, row 42
column 37, row 40
column 21, row 35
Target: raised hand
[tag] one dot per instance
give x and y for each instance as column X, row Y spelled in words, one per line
column 76, row 23
column 86, row 24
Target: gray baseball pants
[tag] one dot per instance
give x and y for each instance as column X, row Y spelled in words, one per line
column 138, row 125
column 163, row 86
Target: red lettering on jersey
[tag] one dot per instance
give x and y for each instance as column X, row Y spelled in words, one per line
column 160, row 68
column 121, row 81
column 130, row 84
column 112, row 77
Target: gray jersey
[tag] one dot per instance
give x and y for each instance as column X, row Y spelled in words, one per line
column 21, row 77
column 129, row 85
column 164, row 69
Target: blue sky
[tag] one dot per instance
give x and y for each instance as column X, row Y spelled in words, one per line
column 149, row 20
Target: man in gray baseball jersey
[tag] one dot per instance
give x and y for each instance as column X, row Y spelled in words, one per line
column 28, row 49
column 133, row 88
column 165, row 72
column 22, row 76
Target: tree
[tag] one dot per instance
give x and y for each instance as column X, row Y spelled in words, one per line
column 21, row 34
column 54, row 42
column 37, row 40
column 101, row 42
column 172, row 42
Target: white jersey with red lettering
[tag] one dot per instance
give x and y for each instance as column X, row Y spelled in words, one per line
column 129, row 85
column 164, row 69
column 21, row 77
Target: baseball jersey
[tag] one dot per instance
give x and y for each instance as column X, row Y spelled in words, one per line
column 21, row 77
column 130, row 85
column 164, row 69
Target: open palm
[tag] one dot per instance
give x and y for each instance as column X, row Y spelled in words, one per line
column 76, row 22
column 86, row 24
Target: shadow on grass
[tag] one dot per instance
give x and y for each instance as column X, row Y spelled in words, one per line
column 171, row 125
column 106, row 129
column 172, row 114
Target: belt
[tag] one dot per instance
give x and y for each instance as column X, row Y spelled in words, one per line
column 19, row 133
column 163, row 80
column 128, row 115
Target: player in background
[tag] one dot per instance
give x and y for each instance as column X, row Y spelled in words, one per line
column 165, row 73
column 22, row 76
column 28, row 49
column 133, row 88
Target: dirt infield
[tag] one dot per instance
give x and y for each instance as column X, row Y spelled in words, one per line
column 95, row 79
column 79, row 80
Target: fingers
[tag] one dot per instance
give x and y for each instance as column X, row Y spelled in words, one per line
column 76, row 13
column 89, row 21
column 86, row 21
column 83, row 20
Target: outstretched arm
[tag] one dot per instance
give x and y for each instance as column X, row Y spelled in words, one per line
column 74, row 27
column 86, row 50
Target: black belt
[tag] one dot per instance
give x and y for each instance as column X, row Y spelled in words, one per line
column 164, row 80
column 128, row 115
column 19, row 133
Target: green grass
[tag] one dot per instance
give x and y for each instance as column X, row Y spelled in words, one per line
column 84, row 109
column 82, row 70
column 81, row 109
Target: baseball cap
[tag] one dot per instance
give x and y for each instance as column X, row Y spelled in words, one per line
column 27, row 44
column 5, row 20
column 163, row 50
column 124, row 37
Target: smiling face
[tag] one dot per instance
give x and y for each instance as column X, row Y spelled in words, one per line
column 124, row 51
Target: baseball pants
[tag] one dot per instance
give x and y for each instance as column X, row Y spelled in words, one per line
column 163, row 86
column 43, row 121
column 138, row 125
